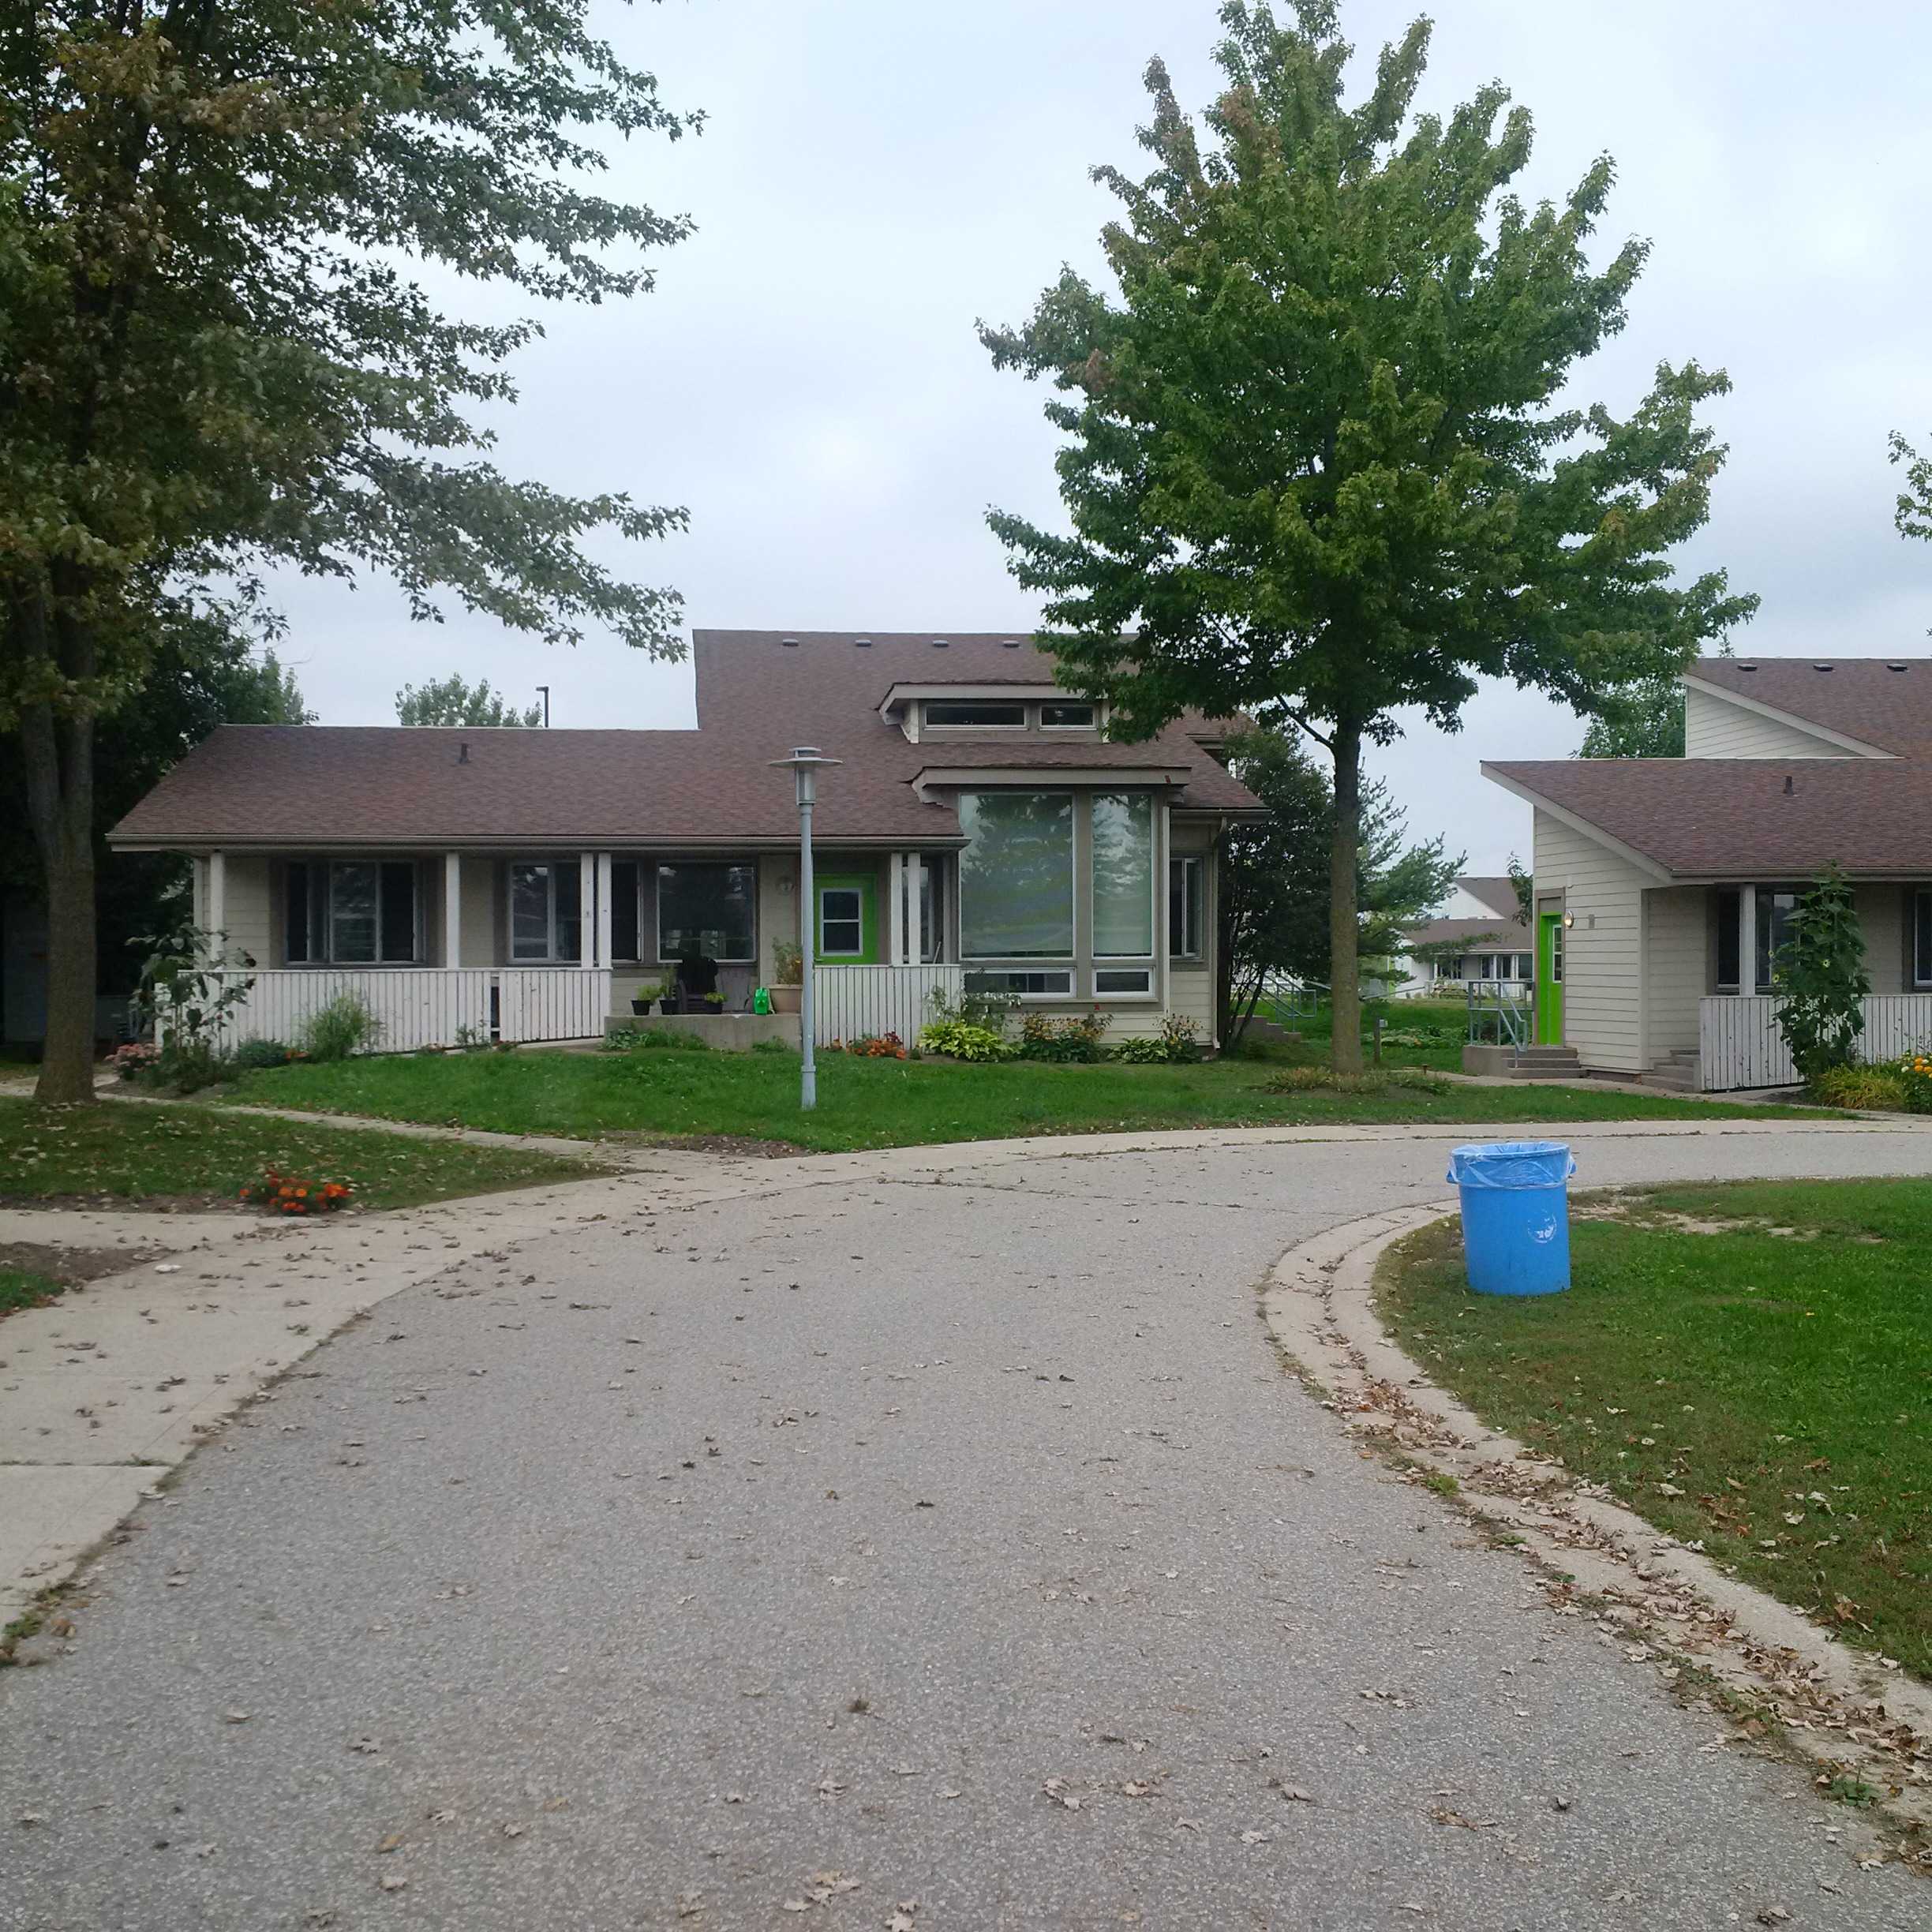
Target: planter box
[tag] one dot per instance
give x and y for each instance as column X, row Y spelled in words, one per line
column 785, row 999
column 729, row 1032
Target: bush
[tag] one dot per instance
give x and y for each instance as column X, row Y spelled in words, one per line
column 979, row 1005
column 1865, row 1087
column 345, row 1026
column 1174, row 1041
column 297, row 1194
column 958, row 1039
column 1914, row 1074
column 135, row 1061
column 1325, row 1080
column 1075, row 1039
column 186, row 1066
column 263, row 1053
column 873, row 1047
column 645, row 1039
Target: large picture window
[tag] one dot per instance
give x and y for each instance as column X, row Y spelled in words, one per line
column 1016, row 875
column 1123, row 875
column 351, row 912
column 706, row 911
column 546, row 907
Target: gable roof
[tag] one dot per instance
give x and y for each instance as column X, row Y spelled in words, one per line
column 1716, row 818
column 1884, row 702
column 1497, row 893
column 313, row 786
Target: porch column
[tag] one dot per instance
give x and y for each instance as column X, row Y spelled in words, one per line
column 217, row 898
column 895, row 867
column 603, row 908
column 452, row 908
column 1747, row 941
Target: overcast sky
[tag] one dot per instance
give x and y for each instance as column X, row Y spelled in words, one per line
column 874, row 176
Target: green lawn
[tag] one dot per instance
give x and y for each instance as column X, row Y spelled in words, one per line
column 123, row 1152
column 876, row 1103
column 1769, row 1393
column 20, row 1288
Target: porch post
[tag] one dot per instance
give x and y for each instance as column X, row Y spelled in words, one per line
column 603, row 908
column 217, row 898
column 896, row 908
column 1747, row 941
column 586, row 910
column 452, row 909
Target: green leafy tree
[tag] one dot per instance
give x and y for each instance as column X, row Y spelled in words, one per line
column 450, row 701
column 1273, row 880
column 1523, row 884
column 1643, row 720
column 1912, row 512
column 1316, row 467
column 218, row 350
column 1820, row 974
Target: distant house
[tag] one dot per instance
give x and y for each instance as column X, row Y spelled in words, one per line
column 1478, row 935
column 1664, row 887
column 523, row 884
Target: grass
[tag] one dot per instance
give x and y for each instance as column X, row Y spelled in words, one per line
column 879, row 1103
column 20, row 1288
column 1765, row 1388
column 120, row 1151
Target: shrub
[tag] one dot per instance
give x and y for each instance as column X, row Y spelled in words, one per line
column 958, row 1039
column 264, row 1053
column 1915, row 1077
column 345, row 1026
column 134, row 1060
column 186, row 1065
column 1866, row 1086
column 1075, row 1039
column 1821, row 973
column 1175, row 1041
column 979, row 1005
column 788, row 964
column 297, row 1194
column 875, row 1046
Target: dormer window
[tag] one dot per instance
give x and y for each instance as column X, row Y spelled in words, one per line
column 976, row 714
column 1066, row 717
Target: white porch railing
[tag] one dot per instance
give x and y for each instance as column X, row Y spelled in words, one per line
column 1739, row 1045
column 850, row 1003
column 428, row 1005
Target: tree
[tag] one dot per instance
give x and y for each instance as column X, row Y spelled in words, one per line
column 1643, row 720
column 1523, row 884
column 1912, row 512
column 1273, row 883
column 215, row 354
column 1316, row 467
column 450, row 701
column 1820, row 973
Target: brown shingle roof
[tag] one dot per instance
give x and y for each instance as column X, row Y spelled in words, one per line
column 1882, row 701
column 1507, row 930
column 757, row 697
column 1733, row 818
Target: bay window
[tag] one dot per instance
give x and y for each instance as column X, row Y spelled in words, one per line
column 706, row 911
column 351, row 912
column 546, row 907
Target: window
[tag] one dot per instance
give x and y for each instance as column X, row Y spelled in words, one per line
column 931, row 914
column 1066, row 717
column 706, row 911
column 1727, row 917
column 1774, row 914
column 985, row 717
column 546, row 905
column 1123, row 875
column 1027, row 985
column 1526, row 966
column 1184, row 909
column 1922, row 937
column 357, row 912
column 1016, row 875
column 624, row 909
column 1122, row 982
column 841, row 922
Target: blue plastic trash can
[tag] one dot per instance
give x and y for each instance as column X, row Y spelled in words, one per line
column 1515, row 1215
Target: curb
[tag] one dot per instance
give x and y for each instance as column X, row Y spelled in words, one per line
column 1669, row 1605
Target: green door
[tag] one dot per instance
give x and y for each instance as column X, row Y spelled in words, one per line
column 847, row 927
column 1549, row 990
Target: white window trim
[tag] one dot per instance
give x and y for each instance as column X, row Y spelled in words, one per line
column 1068, row 969
column 673, row 959
column 550, row 956
column 927, row 724
column 1104, row 961
column 1148, row 996
column 1191, row 864
column 857, row 919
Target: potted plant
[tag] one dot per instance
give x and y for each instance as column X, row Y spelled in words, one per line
column 641, row 1000
column 790, row 963
column 712, row 1002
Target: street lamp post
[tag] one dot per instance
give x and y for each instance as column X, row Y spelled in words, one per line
column 803, row 765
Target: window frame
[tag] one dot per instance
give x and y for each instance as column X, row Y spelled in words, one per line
column 1070, row 957
column 1092, row 722
column 1193, row 909
column 1093, row 880
column 1922, row 935
column 994, row 973
column 928, row 722
column 553, row 868
column 749, row 958
column 317, row 878
column 827, row 920
column 1145, row 991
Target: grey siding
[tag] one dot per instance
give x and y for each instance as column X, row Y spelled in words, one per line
column 1603, row 966
column 1676, row 959
column 1714, row 728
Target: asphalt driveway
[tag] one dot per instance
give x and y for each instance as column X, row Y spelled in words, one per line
column 945, row 1550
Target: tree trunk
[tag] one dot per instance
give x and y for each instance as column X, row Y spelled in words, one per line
column 56, row 757
column 1344, row 857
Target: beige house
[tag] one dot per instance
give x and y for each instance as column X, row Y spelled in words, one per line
column 525, row 885
column 1663, row 886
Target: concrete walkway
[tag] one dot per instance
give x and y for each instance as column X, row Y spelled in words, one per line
column 928, row 1537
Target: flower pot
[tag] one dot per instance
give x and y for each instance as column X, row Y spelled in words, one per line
column 785, row 999
column 641, row 1007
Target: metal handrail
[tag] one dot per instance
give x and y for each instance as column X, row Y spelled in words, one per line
column 1495, row 1018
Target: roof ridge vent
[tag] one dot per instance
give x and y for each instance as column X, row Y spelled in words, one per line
column 1898, row 667
column 862, row 643
column 1010, row 643
column 1821, row 667
column 940, row 644
column 789, row 643
column 1747, row 667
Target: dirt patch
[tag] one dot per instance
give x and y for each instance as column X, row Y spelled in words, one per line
column 718, row 1143
column 70, row 1267
column 129, row 1204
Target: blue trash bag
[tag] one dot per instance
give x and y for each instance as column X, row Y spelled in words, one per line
column 1515, row 1215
